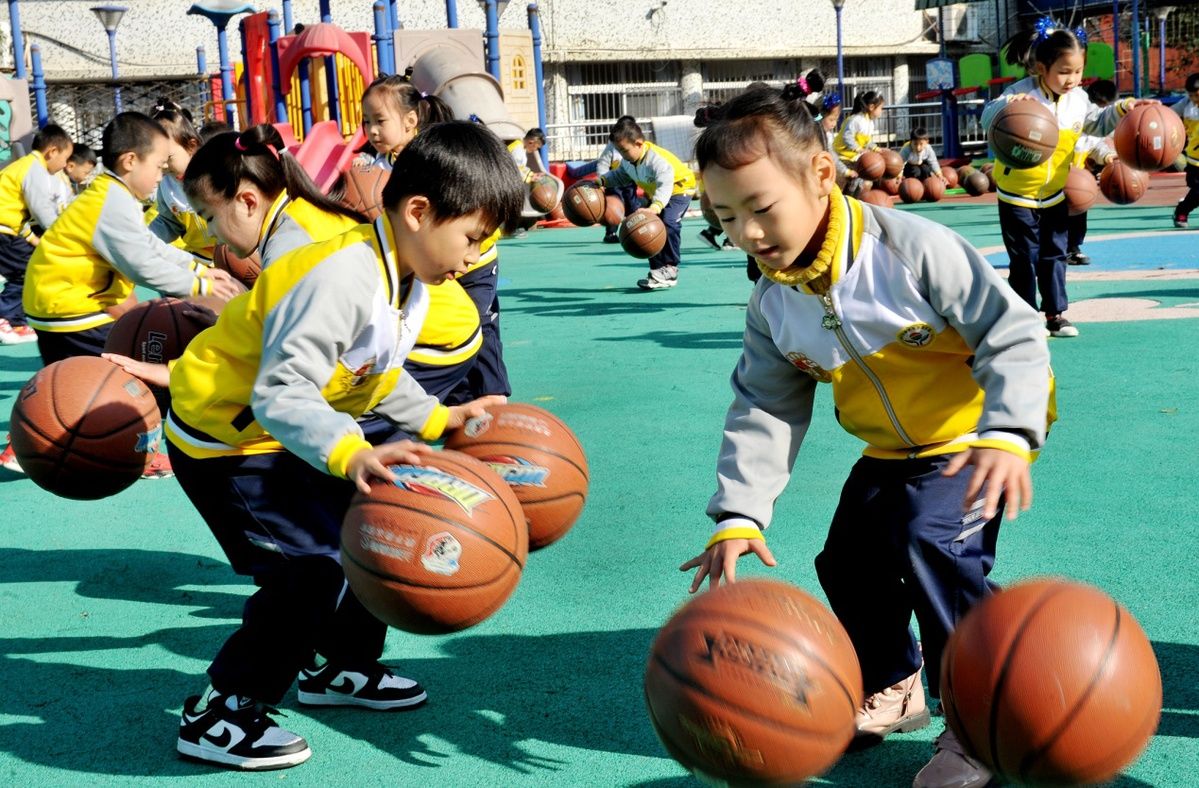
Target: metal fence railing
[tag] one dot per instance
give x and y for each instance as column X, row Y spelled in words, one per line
column 895, row 126
column 583, row 141
column 83, row 107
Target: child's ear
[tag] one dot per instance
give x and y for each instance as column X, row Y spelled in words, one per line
column 414, row 210
column 824, row 170
column 249, row 198
column 126, row 161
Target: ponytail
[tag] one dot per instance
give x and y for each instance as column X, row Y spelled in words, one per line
column 399, row 90
column 864, row 101
column 256, row 155
column 1044, row 44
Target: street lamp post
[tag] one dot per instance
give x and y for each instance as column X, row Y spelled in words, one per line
column 219, row 12
column 1161, row 13
column 110, row 17
column 837, row 6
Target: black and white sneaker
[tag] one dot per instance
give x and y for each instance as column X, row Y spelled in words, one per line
column 375, row 688
column 709, row 236
column 235, row 731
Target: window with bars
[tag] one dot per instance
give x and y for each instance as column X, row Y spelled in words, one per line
column 519, row 78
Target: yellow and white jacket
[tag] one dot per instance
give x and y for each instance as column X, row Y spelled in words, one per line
column 319, row 341
column 1041, row 186
column 928, row 352
column 176, row 220
column 658, row 172
column 855, row 135
column 27, row 192
column 1189, row 112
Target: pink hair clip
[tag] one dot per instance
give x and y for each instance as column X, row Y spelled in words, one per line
column 803, row 85
column 237, row 143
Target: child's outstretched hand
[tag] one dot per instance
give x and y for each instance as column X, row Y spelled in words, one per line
column 224, row 286
column 721, row 560
column 372, row 463
column 998, row 471
column 154, row 374
column 473, row 409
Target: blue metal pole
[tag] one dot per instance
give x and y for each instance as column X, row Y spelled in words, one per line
column 331, row 90
column 393, row 16
column 39, row 86
column 287, row 25
column 325, row 11
column 493, row 40
column 305, row 96
column 1136, row 49
column 201, row 62
column 451, row 13
column 1116, row 43
column 228, row 95
column 840, row 60
column 18, row 39
column 112, row 57
column 1161, row 54
column 383, row 41
column 272, row 25
column 539, row 75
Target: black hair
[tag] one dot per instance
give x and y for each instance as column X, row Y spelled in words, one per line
column 757, row 123
column 51, row 136
column 403, row 95
column 255, row 155
column 757, row 84
column 919, row 133
column 81, row 154
column 626, row 132
column 536, row 135
column 165, row 104
column 1102, row 90
column 129, row 131
column 864, row 101
column 179, row 128
column 705, row 115
column 626, row 119
column 814, row 80
column 1192, row 83
column 213, row 128
column 1028, row 47
column 461, row 168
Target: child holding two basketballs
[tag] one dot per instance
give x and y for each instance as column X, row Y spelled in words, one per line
column 934, row 362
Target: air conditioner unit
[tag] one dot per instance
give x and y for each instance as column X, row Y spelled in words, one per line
column 961, row 22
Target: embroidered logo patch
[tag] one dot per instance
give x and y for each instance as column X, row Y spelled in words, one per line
column 805, row 364
column 916, row 335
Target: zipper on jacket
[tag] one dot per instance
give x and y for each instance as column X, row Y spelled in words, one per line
column 831, row 322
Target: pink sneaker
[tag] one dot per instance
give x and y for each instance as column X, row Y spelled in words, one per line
column 159, row 467
column 15, row 335
column 8, row 460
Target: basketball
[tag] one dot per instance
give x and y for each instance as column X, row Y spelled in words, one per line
column 934, row 189
column 890, row 185
column 977, row 183
column 1150, row 137
column 157, row 331
column 1081, row 191
column 438, row 550
column 540, row 459
column 911, row 190
column 876, row 197
column 991, row 184
column 1023, row 134
column 583, row 203
column 753, row 683
column 870, row 165
column 82, row 428
column 243, row 269
column 543, row 193
column 893, row 162
column 1051, row 681
column 642, row 234
column 1122, row 184
column 614, row 212
column 964, row 172
column 951, row 177
column 364, row 190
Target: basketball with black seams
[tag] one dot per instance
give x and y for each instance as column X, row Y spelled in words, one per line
column 893, row 163
column 753, row 683
column 1150, row 137
column 83, row 428
column 870, row 165
column 438, row 550
column 934, row 189
column 1051, row 682
column 539, row 457
column 911, row 190
column 1023, row 134
column 243, row 269
column 1081, row 191
column 583, row 203
column 543, row 193
column 1122, row 184
column 363, row 190
column 158, row 331
column 642, row 234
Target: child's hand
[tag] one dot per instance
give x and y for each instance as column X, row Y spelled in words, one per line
column 850, row 173
column 154, row 374
column 1000, row 471
column 721, row 559
column 1021, row 97
column 471, row 410
column 370, row 464
column 224, row 286
column 656, row 210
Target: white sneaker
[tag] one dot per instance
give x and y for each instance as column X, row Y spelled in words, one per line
column 15, row 335
column 660, row 278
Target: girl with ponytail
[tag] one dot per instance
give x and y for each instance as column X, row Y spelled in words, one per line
column 856, row 135
column 393, row 111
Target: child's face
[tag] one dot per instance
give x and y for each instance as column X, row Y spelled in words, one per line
column 56, row 158
column 919, row 145
column 876, row 111
column 142, row 174
column 532, row 146
column 79, row 171
column 433, row 250
column 178, row 158
column 1066, row 72
column 831, row 119
column 386, row 126
column 237, row 221
column 630, row 151
column 769, row 212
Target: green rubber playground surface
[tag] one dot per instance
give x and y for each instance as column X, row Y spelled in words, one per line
column 111, row 610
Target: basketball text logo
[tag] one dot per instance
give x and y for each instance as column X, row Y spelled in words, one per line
column 720, row 742
column 439, row 484
column 152, row 348
column 518, row 472
column 729, row 649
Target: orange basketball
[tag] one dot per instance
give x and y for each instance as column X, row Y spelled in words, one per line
column 1023, row 134
column 893, row 162
column 754, row 683
column 934, row 189
column 951, row 177
column 1051, row 681
column 876, row 197
column 364, row 190
column 614, row 211
column 977, row 183
column 157, row 331
column 543, row 193
column 539, row 457
column 243, row 269
column 82, row 428
column 870, row 165
column 1122, row 184
column 911, row 190
column 890, row 186
column 1150, row 137
column 1081, row 191
column 440, row 549
column 583, row 203
column 642, row 234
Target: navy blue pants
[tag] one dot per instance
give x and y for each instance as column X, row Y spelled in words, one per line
column 278, row 520
column 14, row 259
column 920, row 171
column 55, row 346
column 1077, row 233
column 1036, row 241
column 1190, row 200
column 488, row 374
column 672, row 217
column 900, row 544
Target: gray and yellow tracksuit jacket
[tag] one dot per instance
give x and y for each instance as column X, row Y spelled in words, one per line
column 177, row 220
column 1189, row 112
column 928, row 352
column 319, row 341
column 855, row 136
column 1078, row 119
column 658, row 172
column 27, row 192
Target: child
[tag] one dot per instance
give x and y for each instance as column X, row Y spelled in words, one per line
column 710, row 235
column 667, row 182
column 176, row 219
column 934, row 363
column 608, row 160
column 1188, row 110
column 392, row 112
column 1101, row 92
column 526, row 153
column 856, row 135
column 28, row 194
column 919, row 158
column 1033, row 215
column 263, row 437
column 76, row 175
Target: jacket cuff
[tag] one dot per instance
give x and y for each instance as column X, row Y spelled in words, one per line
column 1004, row 441
column 343, row 451
column 435, row 424
column 735, row 527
